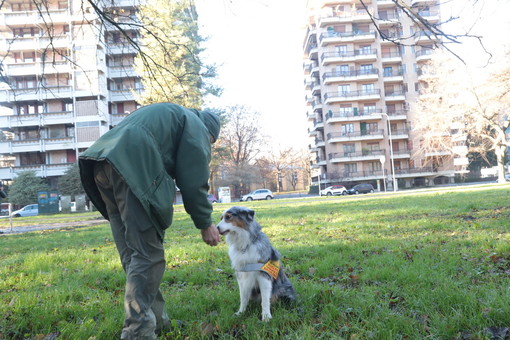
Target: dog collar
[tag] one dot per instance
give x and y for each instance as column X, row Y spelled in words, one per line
column 270, row 267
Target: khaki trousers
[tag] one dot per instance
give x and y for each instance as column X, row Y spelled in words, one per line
column 141, row 253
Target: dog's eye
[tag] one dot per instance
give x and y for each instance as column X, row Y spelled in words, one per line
column 227, row 217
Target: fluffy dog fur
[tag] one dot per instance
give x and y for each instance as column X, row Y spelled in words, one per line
column 247, row 245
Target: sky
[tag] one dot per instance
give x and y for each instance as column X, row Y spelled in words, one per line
column 257, row 45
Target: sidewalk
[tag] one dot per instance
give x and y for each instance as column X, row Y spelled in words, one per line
column 6, row 229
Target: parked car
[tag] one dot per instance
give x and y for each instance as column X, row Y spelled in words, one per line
column 212, row 198
column 27, row 210
column 259, row 194
column 334, row 190
column 362, row 188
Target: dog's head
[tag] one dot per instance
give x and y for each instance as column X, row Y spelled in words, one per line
column 236, row 219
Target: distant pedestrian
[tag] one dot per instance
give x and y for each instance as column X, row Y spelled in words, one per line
column 129, row 174
column 2, row 192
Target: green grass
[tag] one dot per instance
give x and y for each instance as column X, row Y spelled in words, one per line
column 408, row 266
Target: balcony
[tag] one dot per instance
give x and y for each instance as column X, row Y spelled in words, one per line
column 120, row 48
column 38, row 68
column 424, row 54
column 356, row 75
column 390, row 37
column 423, row 2
column 313, row 69
column 340, row 137
column 319, row 161
column 52, row 16
column 353, row 176
column 42, row 119
column 121, row 72
column 394, row 96
column 431, row 17
column 42, row 170
column 310, row 115
column 318, row 125
column 390, row 75
column 316, row 88
column 37, row 145
column 344, row 17
column 401, row 154
column 31, row 43
column 425, row 37
column 332, row 97
column 385, row 3
column 415, row 172
column 391, row 57
column 353, row 114
column 397, row 114
column 35, row 93
column 389, row 19
column 126, row 22
column 354, row 56
column 320, row 143
column 400, row 134
column 332, row 37
column 115, row 119
column 317, row 105
column 122, row 95
column 366, row 155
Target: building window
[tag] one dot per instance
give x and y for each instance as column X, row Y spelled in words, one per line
column 350, row 168
column 348, row 149
column 347, row 129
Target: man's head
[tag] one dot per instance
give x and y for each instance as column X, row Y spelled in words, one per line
column 212, row 122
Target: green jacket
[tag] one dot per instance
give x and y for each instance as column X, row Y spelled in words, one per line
column 151, row 148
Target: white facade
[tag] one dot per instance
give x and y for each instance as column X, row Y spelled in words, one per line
column 360, row 80
column 61, row 90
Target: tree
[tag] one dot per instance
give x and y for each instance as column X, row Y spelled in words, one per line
column 24, row 188
column 169, row 61
column 280, row 163
column 219, row 154
column 242, row 141
column 457, row 110
column 433, row 30
column 70, row 183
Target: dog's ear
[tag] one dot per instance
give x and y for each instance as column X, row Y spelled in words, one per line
column 249, row 214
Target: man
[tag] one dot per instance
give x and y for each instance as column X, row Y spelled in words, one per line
column 2, row 192
column 129, row 174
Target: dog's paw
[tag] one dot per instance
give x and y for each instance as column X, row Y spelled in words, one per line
column 266, row 317
column 238, row 313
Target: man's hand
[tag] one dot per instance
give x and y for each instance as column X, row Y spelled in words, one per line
column 211, row 235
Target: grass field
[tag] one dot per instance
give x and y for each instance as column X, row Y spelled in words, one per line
column 407, row 266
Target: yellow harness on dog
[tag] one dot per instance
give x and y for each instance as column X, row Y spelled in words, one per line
column 270, row 267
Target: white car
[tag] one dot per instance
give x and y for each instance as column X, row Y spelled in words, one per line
column 334, row 190
column 259, row 194
column 27, row 210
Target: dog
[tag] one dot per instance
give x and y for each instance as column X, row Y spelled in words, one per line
column 256, row 263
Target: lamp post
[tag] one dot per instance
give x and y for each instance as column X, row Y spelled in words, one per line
column 391, row 152
column 382, row 158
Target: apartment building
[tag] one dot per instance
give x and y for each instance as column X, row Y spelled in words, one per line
column 67, row 78
column 360, row 81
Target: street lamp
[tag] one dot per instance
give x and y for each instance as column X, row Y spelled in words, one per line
column 382, row 158
column 391, row 152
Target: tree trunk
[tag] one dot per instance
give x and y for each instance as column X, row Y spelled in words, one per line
column 500, row 155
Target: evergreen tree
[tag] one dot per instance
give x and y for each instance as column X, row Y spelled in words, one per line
column 24, row 188
column 70, row 183
column 169, row 64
